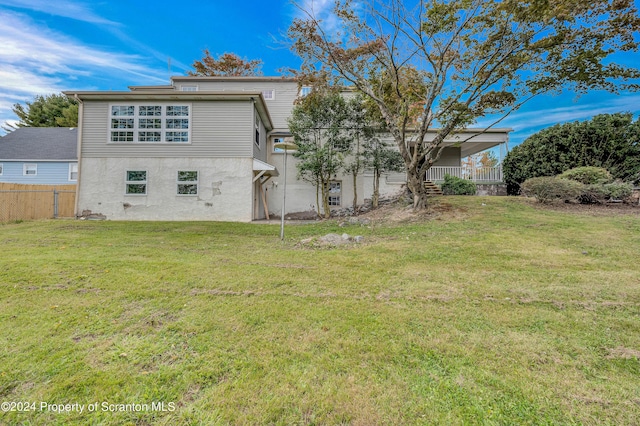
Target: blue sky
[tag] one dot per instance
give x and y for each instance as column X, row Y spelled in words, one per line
column 50, row 46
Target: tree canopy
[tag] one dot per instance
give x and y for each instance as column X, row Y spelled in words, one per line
column 226, row 65
column 55, row 110
column 610, row 141
column 446, row 64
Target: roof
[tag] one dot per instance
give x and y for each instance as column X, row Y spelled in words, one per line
column 40, row 144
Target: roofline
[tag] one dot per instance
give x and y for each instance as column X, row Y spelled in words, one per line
column 22, row 160
column 171, row 95
column 231, row 78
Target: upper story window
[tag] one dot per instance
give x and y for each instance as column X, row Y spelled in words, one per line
column 149, row 123
column 29, row 169
column 269, row 95
column 305, row 90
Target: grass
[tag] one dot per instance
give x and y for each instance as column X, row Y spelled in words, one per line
column 493, row 312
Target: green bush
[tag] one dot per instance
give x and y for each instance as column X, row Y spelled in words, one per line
column 457, row 186
column 588, row 175
column 611, row 141
column 618, row 190
column 549, row 188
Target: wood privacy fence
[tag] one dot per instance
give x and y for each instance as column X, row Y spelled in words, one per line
column 25, row 202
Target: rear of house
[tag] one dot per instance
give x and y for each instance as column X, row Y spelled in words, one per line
column 161, row 154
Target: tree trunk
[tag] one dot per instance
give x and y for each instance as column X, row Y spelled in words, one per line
column 418, row 191
column 355, row 193
column 325, row 200
column 376, row 189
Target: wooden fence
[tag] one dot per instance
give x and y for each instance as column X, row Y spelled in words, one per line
column 27, row 202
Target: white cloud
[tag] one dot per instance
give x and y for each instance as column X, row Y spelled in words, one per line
column 67, row 9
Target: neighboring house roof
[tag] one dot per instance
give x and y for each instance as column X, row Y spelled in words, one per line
column 40, row 144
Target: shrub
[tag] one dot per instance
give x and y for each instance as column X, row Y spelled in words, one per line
column 618, row 190
column 548, row 188
column 588, row 175
column 611, row 141
column 457, row 186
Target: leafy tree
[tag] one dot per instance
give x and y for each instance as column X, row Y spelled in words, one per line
column 318, row 124
column 445, row 64
column 55, row 110
column 360, row 130
column 381, row 158
column 610, row 141
column 226, row 65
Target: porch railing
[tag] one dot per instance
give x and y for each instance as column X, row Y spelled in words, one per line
column 476, row 174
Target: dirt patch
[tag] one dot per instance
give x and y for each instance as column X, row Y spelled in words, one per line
column 624, row 353
column 401, row 211
column 608, row 209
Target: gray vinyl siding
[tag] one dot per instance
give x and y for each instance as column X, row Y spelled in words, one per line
column 260, row 151
column 219, row 129
column 450, row 157
column 280, row 108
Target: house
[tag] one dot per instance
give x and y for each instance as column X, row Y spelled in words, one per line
column 39, row 155
column 202, row 148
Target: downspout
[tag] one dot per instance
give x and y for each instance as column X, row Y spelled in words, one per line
column 79, row 153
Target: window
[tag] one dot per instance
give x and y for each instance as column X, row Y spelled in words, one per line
column 189, row 88
column 269, row 95
column 187, row 183
column 1, row 168
column 136, row 182
column 305, row 90
column 73, row 171
column 335, row 193
column 29, row 169
column 257, row 127
column 149, row 123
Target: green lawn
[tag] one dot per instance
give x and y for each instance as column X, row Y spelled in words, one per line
column 496, row 311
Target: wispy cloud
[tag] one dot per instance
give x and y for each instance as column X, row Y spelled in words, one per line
column 67, row 9
column 526, row 123
column 37, row 60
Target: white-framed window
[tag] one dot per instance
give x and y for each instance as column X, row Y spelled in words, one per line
column 136, row 182
column 150, row 123
column 269, row 95
column 187, row 182
column 1, row 169
column 29, row 169
column 305, row 90
column 189, row 88
column 73, row 172
column 257, row 128
column 335, row 193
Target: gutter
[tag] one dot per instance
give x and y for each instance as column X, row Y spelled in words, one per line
column 80, row 124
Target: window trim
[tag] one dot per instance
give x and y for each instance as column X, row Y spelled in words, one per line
column 271, row 94
column 128, row 182
column 187, row 182
column 25, row 166
column 71, row 172
column 137, row 129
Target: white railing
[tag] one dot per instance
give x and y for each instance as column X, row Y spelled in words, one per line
column 476, row 174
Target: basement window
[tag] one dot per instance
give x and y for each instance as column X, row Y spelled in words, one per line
column 335, row 193
column 136, row 182
column 187, row 182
